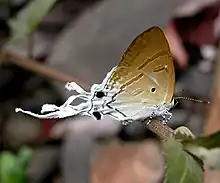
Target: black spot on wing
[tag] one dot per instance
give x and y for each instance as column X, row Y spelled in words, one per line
column 97, row 115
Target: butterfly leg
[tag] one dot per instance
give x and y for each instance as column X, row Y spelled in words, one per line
column 149, row 120
column 151, row 117
column 166, row 117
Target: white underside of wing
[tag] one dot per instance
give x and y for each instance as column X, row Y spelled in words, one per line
column 132, row 111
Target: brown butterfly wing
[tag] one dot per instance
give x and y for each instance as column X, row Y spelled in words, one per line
column 146, row 65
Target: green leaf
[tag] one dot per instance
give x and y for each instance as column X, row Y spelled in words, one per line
column 181, row 167
column 208, row 142
column 29, row 18
column 24, row 156
column 196, row 158
column 10, row 171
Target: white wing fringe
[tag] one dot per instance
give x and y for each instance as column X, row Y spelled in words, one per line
column 65, row 110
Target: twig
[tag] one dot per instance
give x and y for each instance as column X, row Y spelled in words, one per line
column 162, row 131
column 39, row 69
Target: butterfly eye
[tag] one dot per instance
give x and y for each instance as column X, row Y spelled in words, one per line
column 97, row 115
column 100, row 94
column 153, row 90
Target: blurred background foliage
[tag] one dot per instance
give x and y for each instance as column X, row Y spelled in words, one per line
column 13, row 167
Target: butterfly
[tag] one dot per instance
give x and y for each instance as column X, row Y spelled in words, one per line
column 140, row 87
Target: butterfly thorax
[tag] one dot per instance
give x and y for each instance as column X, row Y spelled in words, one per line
column 161, row 109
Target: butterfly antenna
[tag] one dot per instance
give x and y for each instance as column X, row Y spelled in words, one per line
column 191, row 99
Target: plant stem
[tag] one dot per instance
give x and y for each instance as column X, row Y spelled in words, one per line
column 162, row 131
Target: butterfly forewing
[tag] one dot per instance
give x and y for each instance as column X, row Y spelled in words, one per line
column 146, row 71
